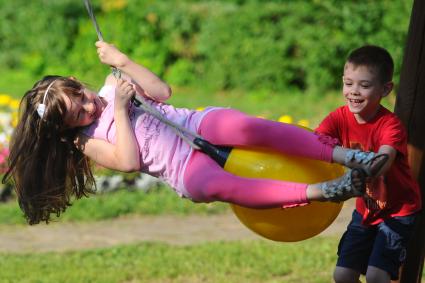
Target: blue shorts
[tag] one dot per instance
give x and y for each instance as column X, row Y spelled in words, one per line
column 382, row 245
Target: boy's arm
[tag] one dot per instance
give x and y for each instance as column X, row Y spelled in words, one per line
column 392, row 153
column 392, row 137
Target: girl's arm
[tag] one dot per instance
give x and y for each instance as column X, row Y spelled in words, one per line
column 150, row 85
column 124, row 154
column 104, row 154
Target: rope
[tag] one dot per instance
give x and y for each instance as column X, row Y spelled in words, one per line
column 182, row 132
column 115, row 71
column 93, row 19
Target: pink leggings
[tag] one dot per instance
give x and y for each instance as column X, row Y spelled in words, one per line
column 206, row 181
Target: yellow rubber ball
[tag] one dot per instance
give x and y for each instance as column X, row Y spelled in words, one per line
column 289, row 224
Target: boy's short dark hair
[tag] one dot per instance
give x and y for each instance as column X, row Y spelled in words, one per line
column 375, row 57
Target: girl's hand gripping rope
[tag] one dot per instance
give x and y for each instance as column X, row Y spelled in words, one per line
column 123, row 94
column 110, row 55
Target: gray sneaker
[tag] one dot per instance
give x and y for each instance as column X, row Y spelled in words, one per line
column 346, row 187
column 370, row 162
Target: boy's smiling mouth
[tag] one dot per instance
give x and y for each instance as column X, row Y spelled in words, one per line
column 355, row 101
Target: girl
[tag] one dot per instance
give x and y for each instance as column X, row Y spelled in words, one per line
column 63, row 125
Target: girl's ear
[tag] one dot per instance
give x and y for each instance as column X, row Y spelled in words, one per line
column 72, row 78
column 388, row 87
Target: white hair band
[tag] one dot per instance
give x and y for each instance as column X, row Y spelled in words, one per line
column 42, row 106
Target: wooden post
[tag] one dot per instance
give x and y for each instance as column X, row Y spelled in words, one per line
column 410, row 107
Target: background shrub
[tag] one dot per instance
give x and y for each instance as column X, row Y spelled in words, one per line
column 252, row 44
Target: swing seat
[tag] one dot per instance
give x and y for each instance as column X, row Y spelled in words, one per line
column 289, row 224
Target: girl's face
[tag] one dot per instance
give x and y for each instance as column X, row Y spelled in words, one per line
column 83, row 109
column 363, row 91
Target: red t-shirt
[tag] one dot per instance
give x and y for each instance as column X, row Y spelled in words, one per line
column 396, row 193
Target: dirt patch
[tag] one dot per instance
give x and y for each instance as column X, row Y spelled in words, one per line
column 169, row 229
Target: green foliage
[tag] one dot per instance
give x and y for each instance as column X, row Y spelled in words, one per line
column 248, row 45
column 36, row 29
column 155, row 202
column 249, row 261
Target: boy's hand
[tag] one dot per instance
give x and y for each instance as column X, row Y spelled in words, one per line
column 110, row 55
column 123, row 93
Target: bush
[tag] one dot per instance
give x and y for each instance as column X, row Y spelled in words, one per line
column 274, row 45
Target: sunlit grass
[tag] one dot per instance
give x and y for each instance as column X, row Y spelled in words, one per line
column 123, row 202
column 306, row 109
column 309, row 261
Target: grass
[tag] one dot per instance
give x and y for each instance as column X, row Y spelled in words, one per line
column 16, row 83
column 240, row 261
column 267, row 105
column 111, row 205
column 309, row 106
column 258, row 261
column 299, row 105
column 243, row 261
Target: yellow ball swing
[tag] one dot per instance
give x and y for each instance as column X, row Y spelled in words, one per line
column 285, row 225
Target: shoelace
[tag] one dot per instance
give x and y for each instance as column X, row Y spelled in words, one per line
column 337, row 188
column 359, row 156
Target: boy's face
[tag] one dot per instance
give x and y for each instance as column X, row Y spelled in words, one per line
column 363, row 91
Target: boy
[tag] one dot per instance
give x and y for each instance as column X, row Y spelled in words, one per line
column 376, row 238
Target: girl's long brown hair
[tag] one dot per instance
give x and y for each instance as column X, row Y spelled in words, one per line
column 47, row 169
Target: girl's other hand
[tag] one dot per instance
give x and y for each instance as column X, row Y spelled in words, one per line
column 110, row 55
column 123, row 93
